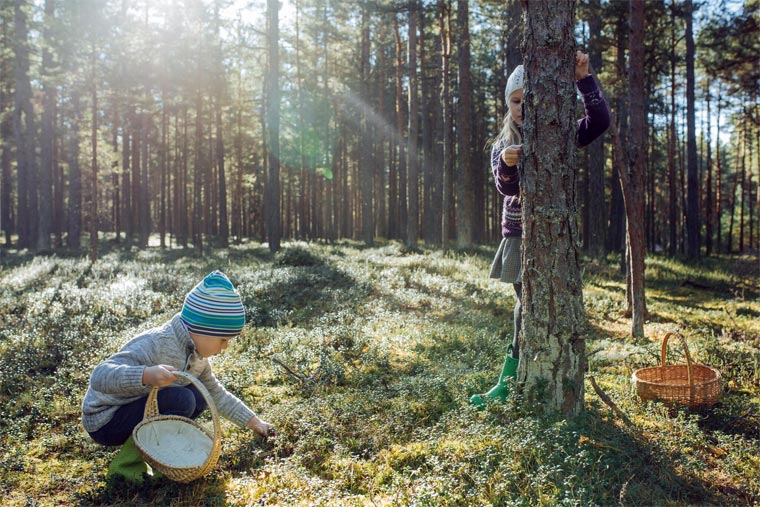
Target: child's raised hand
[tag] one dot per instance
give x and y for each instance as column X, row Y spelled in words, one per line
column 581, row 65
column 511, row 154
column 159, row 376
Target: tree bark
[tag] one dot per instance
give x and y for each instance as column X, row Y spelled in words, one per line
column 465, row 177
column 447, row 194
column 47, row 135
column 273, row 126
column 692, row 204
column 632, row 177
column 413, row 189
column 24, row 133
column 552, row 350
column 366, row 171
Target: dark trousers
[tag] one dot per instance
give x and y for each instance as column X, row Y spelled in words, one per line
column 173, row 400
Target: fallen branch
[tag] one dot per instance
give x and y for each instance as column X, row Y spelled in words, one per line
column 606, row 399
column 295, row 375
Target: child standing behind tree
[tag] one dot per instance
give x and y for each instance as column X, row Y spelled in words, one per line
column 211, row 316
column 505, row 157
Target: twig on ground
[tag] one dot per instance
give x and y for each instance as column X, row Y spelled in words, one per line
column 606, row 399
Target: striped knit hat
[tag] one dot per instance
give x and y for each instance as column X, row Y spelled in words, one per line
column 214, row 308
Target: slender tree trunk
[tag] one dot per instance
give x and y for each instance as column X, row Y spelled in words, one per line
column 47, row 137
column 552, row 352
column 412, row 225
column 632, row 178
column 708, row 205
column 447, row 194
column 743, row 188
column 366, row 170
column 597, row 208
column 616, row 231
column 273, row 126
column 673, row 192
column 164, row 169
column 224, row 231
column 692, row 205
column 74, row 227
column 94, row 168
column 126, row 183
column 428, row 188
column 24, row 133
column 402, row 217
column 718, row 211
column 465, row 176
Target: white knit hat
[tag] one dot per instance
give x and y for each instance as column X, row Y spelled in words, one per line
column 515, row 82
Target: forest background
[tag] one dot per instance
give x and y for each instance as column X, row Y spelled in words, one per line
column 194, row 120
column 357, row 133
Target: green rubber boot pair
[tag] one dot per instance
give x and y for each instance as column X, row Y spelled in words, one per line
column 129, row 464
column 500, row 391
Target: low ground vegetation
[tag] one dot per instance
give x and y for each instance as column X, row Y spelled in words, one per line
column 364, row 359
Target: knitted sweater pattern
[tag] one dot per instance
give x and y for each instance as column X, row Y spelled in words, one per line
column 507, row 178
column 117, row 381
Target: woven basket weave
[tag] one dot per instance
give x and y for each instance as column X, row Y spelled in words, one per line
column 695, row 385
column 178, row 447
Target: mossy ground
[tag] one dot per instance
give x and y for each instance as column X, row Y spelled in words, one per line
column 384, row 346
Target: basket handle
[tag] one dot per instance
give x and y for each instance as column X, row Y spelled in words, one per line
column 689, row 367
column 151, row 405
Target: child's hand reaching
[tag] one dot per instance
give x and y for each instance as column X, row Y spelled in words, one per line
column 159, row 376
column 511, row 154
column 263, row 428
column 581, row 65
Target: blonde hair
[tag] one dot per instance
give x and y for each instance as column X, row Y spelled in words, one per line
column 509, row 134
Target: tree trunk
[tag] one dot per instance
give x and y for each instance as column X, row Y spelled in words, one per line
column 47, row 135
column 94, row 168
column 465, row 175
column 596, row 206
column 708, row 205
column 273, row 126
column 74, row 226
column 24, row 132
column 224, row 231
column 673, row 193
column 447, row 194
column 632, row 177
column 718, row 211
column 692, row 204
column 412, row 225
column 366, row 169
column 552, row 352
column 401, row 217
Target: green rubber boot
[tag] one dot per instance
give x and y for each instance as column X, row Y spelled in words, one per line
column 501, row 390
column 128, row 463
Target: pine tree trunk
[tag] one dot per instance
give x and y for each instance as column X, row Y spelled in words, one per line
column 413, row 192
column 94, row 168
column 366, row 169
column 401, row 217
column 273, row 126
column 709, row 215
column 447, row 194
column 74, row 226
column 597, row 208
column 47, row 136
column 24, row 133
column 692, row 205
column 224, row 231
column 465, row 176
column 632, row 177
column 552, row 351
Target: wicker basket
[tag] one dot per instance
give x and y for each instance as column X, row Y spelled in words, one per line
column 695, row 385
column 178, row 447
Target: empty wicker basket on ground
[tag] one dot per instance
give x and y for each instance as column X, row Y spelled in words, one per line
column 178, row 447
column 695, row 385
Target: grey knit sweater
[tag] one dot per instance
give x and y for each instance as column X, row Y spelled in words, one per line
column 118, row 380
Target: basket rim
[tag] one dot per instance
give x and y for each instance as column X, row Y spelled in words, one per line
column 152, row 415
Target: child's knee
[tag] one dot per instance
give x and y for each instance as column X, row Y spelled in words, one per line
column 176, row 401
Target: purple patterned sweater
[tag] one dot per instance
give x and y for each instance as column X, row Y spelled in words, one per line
column 507, row 178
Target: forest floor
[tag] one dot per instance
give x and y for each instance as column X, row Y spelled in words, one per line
column 384, row 347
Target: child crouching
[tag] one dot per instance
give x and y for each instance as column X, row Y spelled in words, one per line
column 114, row 404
